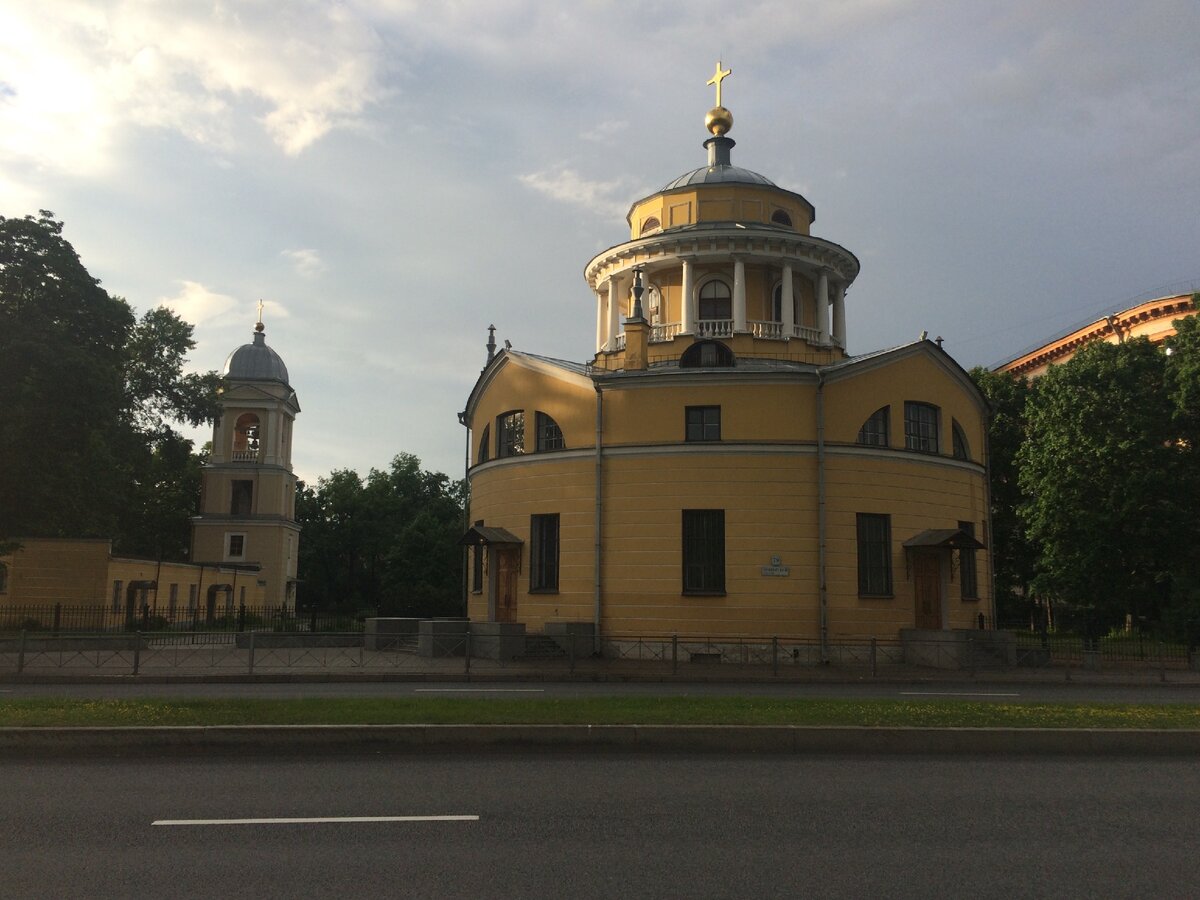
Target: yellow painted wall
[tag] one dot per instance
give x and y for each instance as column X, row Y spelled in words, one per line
column 82, row 573
column 718, row 203
column 763, row 473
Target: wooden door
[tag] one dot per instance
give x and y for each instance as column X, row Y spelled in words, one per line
column 927, row 586
column 508, row 563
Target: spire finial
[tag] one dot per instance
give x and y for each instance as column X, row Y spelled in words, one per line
column 491, row 343
column 719, row 120
column 718, row 77
column 259, row 326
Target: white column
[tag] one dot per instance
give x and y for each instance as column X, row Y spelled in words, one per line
column 839, row 316
column 687, row 303
column 614, row 311
column 739, row 295
column 600, row 338
column 823, row 306
column 787, row 306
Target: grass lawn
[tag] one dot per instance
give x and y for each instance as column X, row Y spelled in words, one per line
column 594, row 711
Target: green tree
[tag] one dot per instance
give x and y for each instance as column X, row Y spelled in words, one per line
column 1012, row 555
column 86, row 444
column 387, row 541
column 1099, row 469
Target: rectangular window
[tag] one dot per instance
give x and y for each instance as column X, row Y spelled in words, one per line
column 116, row 597
column 242, row 595
column 173, row 600
column 510, row 434
column 3, row 578
column 704, row 551
column 921, row 427
column 243, row 498
column 549, row 435
column 235, row 546
column 966, row 566
column 543, row 552
column 874, row 555
column 703, row 423
column 192, row 591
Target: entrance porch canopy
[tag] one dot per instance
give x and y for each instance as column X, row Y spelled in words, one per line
column 482, row 535
column 943, row 539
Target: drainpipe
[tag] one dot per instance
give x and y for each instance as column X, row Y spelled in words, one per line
column 822, row 592
column 599, row 523
column 466, row 558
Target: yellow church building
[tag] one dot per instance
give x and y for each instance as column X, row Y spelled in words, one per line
column 722, row 466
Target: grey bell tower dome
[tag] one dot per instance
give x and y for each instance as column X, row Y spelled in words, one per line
column 256, row 361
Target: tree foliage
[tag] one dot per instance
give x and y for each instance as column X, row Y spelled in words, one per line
column 87, row 447
column 1013, row 557
column 1100, row 468
column 387, row 541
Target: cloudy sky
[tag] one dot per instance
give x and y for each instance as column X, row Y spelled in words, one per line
column 392, row 176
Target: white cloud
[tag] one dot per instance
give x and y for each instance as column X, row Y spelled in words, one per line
column 196, row 304
column 604, row 198
column 604, row 132
column 75, row 73
column 308, row 262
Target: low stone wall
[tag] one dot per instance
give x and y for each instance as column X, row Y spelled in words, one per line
column 497, row 640
column 957, row 649
column 442, row 637
column 276, row 640
column 72, row 643
column 391, row 633
column 575, row 638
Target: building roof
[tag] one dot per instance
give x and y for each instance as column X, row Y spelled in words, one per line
column 1151, row 318
column 256, row 362
column 719, row 174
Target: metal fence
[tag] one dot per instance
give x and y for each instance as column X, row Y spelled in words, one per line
column 62, row 618
column 262, row 650
column 288, row 643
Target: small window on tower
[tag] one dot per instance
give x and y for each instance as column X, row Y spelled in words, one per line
column 510, row 433
column 780, row 217
column 651, row 224
column 485, row 440
column 243, row 498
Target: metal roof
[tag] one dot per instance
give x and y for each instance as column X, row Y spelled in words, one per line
column 719, row 175
column 486, row 534
column 947, row 538
column 256, row 362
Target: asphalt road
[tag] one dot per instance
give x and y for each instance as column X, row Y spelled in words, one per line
column 1001, row 692
column 556, row 825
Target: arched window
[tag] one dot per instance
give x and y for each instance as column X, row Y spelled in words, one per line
column 874, row 432
column 650, row 224
column 485, row 445
column 245, row 437
column 549, row 435
column 780, row 217
column 716, row 302
column 961, row 450
column 706, row 355
column 510, row 433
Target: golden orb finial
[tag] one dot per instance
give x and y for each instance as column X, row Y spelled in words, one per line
column 719, row 120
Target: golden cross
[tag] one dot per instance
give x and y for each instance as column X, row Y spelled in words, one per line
column 260, row 309
column 717, row 78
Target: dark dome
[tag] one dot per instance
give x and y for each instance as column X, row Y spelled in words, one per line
column 256, row 362
column 719, row 175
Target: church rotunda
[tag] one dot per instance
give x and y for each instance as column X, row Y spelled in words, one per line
column 723, row 466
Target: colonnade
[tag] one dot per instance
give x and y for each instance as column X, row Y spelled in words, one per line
column 830, row 298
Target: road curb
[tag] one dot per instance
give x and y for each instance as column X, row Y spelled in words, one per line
column 645, row 738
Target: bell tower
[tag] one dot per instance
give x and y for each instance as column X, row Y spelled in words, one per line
column 248, row 491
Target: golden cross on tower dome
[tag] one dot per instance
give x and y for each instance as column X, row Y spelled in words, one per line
column 259, row 326
column 718, row 77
